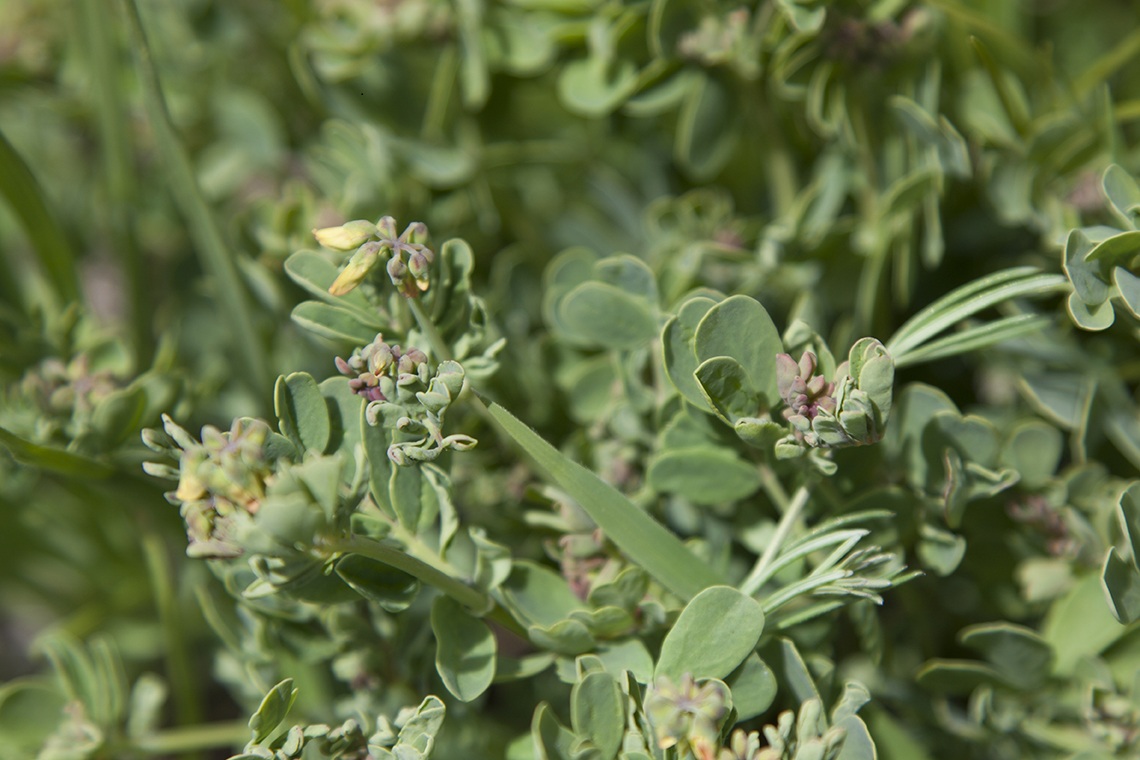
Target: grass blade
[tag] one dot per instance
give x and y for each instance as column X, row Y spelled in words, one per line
column 642, row 538
column 215, row 255
column 118, row 176
column 26, row 198
column 969, row 300
column 974, row 338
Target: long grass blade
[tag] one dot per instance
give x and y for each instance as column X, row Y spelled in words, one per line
column 969, row 300
column 216, row 257
column 24, row 195
column 645, row 540
column 977, row 337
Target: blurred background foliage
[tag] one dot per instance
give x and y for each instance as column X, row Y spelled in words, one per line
column 842, row 162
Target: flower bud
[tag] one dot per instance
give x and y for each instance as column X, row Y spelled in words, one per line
column 347, row 236
column 357, row 269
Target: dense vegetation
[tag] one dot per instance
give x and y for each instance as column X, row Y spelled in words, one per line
column 569, row 379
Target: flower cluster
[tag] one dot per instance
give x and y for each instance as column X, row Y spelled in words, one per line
column 407, row 396
column 221, row 481
column 849, row 411
column 379, row 371
column 688, row 713
column 407, row 257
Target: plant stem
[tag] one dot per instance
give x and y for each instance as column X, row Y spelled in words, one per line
column 179, row 669
column 182, row 740
column 756, row 578
column 216, row 257
column 773, row 488
column 428, row 573
column 118, row 170
column 435, row 339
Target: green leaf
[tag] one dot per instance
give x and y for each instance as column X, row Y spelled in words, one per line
column 707, row 132
column 597, row 712
column 677, row 339
column 1128, row 285
column 1034, row 449
column 740, row 328
column 1019, row 654
column 273, row 709
column 592, row 87
column 753, row 686
column 53, row 459
column 315, row 274
column 119, row 414
column 857, row 742
column 465, row 650
column 333, row 322
column 1018, row 282
column 1080, row 625
column 26, row 198
column 956, row 677
column 637, row 534
column 703, row 475
column 600, row 314
column 552, row 741
column 940, row 550
column 568, row 637
column 1122, row 192
column 715, row 632
column 535, row 594
column 728, row 388
column 302, row 411
column 1128, row 516
column 976, row 338
column 1116, row 249
column 1085, row 277
column 1093, row 318
column 1061, row 397
column 1121, row 581
column 394, row 590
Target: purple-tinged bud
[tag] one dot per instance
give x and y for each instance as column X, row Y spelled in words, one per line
column 387, row 227
column 416, row 233
column 419, row 265
column 343, row 367
column 397, row 270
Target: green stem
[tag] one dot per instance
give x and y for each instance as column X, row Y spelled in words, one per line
column 773, row 488
column 757, row 577
column 442, row 83
column 194, row 739
column 118, row 170
column 216, row 257
column 435, row 339
column 401, row 560
column 188, row 706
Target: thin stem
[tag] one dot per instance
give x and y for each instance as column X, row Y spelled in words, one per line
column 182, row 740
column 756, row 578
column 209, row 243
column 118, row 170
column 428, row 573
column 181, row 674
column 773, row 488
column 435, row 339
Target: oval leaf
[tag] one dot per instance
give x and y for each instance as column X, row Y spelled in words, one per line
column 715, row 632
column 465, row 649
column 302, row 411
column 740, row 327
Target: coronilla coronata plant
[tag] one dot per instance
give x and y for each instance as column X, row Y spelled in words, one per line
column 767, row 388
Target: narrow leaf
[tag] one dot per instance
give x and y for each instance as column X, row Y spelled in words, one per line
column 645, row 540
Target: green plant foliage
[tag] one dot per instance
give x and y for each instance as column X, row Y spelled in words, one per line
column 659, row 380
